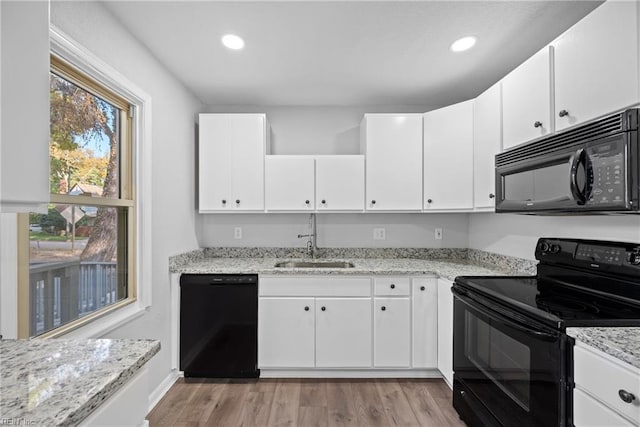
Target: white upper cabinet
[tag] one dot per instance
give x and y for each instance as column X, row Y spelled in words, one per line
column 487, row 142
column 526, row 100
column 339, row 183
column 448, row 157
column 392, row 144
column 290, row 183
column 596, row 64
column 24, row 132
column 231, row 162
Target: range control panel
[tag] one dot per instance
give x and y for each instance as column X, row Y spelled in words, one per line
column 615, row 257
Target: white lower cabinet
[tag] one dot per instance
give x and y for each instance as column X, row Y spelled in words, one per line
column 601, row 383
column 343, row 332
column 392, row 333
column 342, row 323
column 425, row 323
column 445, row 330
column 287, row 331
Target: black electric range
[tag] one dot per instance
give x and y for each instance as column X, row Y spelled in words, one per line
column 513, row 361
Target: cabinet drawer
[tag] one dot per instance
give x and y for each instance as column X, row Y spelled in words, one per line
column 315, row 286
column 588, row 412
column 603, row 377
column 389, row 286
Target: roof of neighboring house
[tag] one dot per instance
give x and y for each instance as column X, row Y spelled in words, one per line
column 86, row 189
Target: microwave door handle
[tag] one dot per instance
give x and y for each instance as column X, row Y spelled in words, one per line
column 576, row 159
column 497, row 318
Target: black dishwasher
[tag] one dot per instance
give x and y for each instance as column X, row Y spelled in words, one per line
column 219, row 325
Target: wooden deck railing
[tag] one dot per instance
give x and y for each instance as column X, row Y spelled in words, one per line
column 60, row 292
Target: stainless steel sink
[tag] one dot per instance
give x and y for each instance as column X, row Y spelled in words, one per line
column 314, row 264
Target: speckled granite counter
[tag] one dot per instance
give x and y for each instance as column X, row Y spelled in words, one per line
column 56, row 382
column 363, row 266
column 622, row 343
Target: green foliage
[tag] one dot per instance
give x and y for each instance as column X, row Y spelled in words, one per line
column 53, row 221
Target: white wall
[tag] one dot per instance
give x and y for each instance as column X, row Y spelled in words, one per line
column 173, row 133
column 335, row 230
column 516, row 235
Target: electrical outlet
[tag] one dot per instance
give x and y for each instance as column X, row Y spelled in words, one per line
column 379, row 234
column 237, row 233
column 438, row 234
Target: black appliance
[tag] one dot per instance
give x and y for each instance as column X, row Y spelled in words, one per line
column 512, row 359
column 592, row 168
column 219, row 325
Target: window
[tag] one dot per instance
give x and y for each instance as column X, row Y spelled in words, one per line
column 77, row 260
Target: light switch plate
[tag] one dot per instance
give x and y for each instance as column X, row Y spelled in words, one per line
column 237, row 233
column 379, row 234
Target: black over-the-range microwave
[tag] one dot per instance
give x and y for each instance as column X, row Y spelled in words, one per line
column 590, row 169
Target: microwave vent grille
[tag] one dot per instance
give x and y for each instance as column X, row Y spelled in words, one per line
column 577, row 136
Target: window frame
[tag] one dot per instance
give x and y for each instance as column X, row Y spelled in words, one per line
column 136, row 164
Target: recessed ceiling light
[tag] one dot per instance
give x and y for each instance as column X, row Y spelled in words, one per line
column 232, row 41
column 463, row 44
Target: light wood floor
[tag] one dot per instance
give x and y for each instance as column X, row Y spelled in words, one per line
column 306, row 402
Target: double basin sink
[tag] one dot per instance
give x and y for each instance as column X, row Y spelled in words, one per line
column 314, row 264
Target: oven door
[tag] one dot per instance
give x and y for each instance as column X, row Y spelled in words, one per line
column 508, row 369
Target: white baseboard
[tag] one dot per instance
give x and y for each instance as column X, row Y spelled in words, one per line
column 162, row 389
column 349, row 373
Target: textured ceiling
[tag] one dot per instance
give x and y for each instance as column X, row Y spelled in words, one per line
column 343, row 53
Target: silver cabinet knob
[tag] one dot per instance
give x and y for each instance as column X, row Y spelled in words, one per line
column 626, row 396
column 563, row 113
column 537, row 124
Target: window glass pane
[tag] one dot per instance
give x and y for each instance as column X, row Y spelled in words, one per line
column 84, row 144
column 76, row 265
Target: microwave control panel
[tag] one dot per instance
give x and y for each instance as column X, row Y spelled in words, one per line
column 607, row 173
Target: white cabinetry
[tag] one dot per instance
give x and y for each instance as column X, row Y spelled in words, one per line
column 339, row 183
column 596, row 64
column 526, row 100
column 290, row 183
column 329, row 325
column 392, row 144
column 601, row 383
column 487, row 142
column 287, row 327
column 343, row 332
column 448, row 157
column 445, row 330
column 425, row 323
column 231, row 162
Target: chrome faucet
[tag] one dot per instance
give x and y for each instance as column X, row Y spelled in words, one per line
column 312, row 245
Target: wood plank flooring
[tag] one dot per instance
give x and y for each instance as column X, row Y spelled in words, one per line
column 306, row 402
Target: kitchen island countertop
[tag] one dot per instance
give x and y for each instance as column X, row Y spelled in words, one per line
column 59, row 382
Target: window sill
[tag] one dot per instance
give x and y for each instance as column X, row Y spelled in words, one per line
column 107, row 323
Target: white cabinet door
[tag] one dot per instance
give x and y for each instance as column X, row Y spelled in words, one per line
column 247, row 161
column 445, row 330
column 289, row 183
column 589, row 412
column 340, row 182
column 392, row 337
column 487, row 142
column 425, row 323
column 214, row 158
column 286, row 337
column 343, row 332
column 393, row 148
column 596, row 64
column 231, row 162
column 526, row 100
column 448, row 157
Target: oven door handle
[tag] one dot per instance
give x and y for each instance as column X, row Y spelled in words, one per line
column 505, row 321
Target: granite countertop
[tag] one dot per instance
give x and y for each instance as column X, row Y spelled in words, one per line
column 621, row 343
column 59, row 382
column 363, row 266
